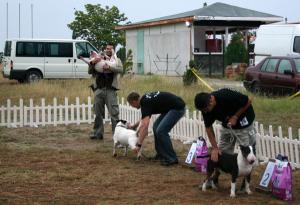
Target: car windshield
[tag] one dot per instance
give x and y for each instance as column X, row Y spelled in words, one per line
column 297, row 62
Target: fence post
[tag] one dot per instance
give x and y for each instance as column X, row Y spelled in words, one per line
column 2, row 115
column 21, row 112
column 31, row 112
column 89, row 110
column 83, row 113
column 66, row 111
column 77, row 111
column 72, row 114
column 15, row 118
column 187, row 113
column 43, row 112
column 272, row 151
column 49, row 114
column 55, row 112
column 60, row 114
column 8, row 113
column 291, row 149
column 37, row 115
column 263, row 147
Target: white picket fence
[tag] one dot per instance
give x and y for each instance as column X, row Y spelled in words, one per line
column 187, row 129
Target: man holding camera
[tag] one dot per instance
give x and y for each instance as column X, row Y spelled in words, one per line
column 106, row 85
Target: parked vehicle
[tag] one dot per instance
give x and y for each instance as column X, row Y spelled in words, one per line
column 33, row 59
column 276, row 75
column 277, row 40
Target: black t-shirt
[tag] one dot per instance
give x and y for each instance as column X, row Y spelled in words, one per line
column 104, row 80
column 160, row 102
column 228, row 102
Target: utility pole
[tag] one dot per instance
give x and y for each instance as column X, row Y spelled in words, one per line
column 19, row 20
column 31, row 20
column 6, row 20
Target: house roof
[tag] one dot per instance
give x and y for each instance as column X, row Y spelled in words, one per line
column 215, row 12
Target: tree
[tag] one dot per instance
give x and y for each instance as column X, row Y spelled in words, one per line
column 97, row 25
column 236, row 51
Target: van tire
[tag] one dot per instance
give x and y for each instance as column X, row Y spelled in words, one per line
column 33, row 76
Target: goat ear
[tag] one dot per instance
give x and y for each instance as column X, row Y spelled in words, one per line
column 123, row 121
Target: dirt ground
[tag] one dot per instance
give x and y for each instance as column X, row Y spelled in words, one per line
column 60, row 165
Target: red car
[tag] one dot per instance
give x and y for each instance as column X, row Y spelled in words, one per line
column 276, row 75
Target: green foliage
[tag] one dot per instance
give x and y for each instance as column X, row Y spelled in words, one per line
column 236, row 51
column 97, row 25
column 127, row 65
column 188, row 77
column 122, row 54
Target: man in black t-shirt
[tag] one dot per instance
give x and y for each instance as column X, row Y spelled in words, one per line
column 171, row 108
column 234, row 111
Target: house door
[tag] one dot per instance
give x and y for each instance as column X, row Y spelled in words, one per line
column 140, row 51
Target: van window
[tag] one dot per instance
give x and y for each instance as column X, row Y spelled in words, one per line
column 297, row 62
column 84, row 49
column 30, row 49
column 59, row 50
column 296, row 47
column 7, row 48
column 284, row 65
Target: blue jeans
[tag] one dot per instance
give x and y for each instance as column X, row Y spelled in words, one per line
column 161, row 128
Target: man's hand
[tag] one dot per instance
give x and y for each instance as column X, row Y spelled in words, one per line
column 137, row 149
column 232, row 121
column 215, row 154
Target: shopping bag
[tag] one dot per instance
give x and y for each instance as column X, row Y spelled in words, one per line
column 201, row 156
column 282, row 179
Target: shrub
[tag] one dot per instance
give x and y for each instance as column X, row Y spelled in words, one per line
column 127, row 65
column 122, row 54
column 188, row 77
column 236, row 51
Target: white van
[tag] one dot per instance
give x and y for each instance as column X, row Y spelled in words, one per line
column 33, row 59
column 277, row 40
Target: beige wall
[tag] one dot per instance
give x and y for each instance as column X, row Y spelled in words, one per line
column 160, row 41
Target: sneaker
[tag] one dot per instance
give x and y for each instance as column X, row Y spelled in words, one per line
column 169, row 163
column 94, row 137
column 157, row 157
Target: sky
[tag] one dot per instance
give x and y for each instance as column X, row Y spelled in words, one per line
column 50, row 18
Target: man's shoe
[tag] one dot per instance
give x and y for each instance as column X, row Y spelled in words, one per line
column 157, row 157
column 169, row 163
column 94, row 137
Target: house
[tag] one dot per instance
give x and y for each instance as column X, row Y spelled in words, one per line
column 166, row 45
